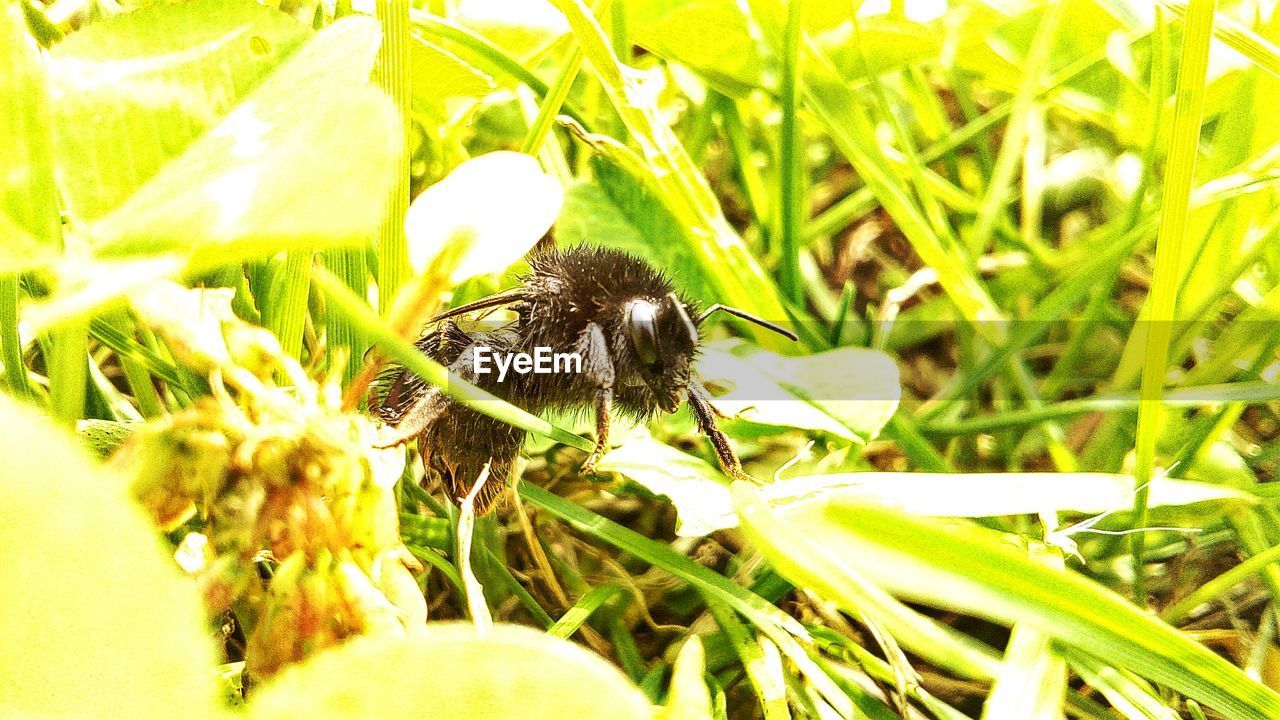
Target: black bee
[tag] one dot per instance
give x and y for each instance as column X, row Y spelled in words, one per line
column 636, row 338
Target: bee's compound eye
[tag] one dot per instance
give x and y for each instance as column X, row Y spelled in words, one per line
column 642, row 329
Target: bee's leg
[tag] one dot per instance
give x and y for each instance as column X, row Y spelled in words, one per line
column 418, row 418
column 706, row 397
column 705, row 415
column 597, row 369
column 604, row 405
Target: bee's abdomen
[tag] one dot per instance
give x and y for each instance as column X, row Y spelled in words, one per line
column 459, row 444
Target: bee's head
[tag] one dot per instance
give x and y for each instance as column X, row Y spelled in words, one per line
column 662, row 338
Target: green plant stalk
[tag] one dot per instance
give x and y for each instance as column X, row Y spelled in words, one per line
column 736, row 134
column 392, row 75
column 862, row 201
column 136, row 352
column 15, row 370
column 1131, row 696
column 765, row 677
column 288, row 312
column 1080, row 282
column 552, row 103
column 348, row 264
column 28, row 195
column 1011, row 149
column 346, row 303
column 135, row 371
column 903, row 429
column 1192, row 396
column 68, row 372
column 1159, row 90
column 791, row 161
column 924, row 182
column 738, row 276
column 586, row 606
column 1175, row 206
column 1253, row 46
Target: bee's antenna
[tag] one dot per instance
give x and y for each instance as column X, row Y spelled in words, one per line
column 689, row 324
column 502, row 298
column 749, row 318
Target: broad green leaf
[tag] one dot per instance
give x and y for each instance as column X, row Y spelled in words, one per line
column 439, row 76
column 452, row 672
column 888, row 42
column 20, row 251
column 303, row 162
column 848, row 392
column 29, row 222
column 961, row 567
column 500, row 204
column 97, row 621
column 711, row 37
column 617, row 210
column 524, row 29
column 132, row 92
column 699, row 491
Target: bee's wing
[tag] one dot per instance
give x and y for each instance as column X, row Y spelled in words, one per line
column 395, row 389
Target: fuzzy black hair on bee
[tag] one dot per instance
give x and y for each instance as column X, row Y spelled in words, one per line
column 637, row 338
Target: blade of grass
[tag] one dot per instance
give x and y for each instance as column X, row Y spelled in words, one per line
column 68, row 372
column 1175, row 205
column 1237, row 37
column 791, row 162
column 28, row 200
column 995, row 201
column 348, row 264
column 1193, row 396
column 780, row 627
column 1182, row 609
column 765, row 677
column 841, row 111
column 288, row 311
column 15, row 369
column 966, row 568
column 583, row 609
column 392, row 75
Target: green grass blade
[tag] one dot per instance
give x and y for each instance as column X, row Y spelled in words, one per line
column 780, row 627
column 27, row 195
column 1175, row 205
column 765, row 676
column 791, row 188
column 583, row 609
column 392, row 75
column 287, row 314
column 1258, row 49
column 965, row 568
column 851, row 130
